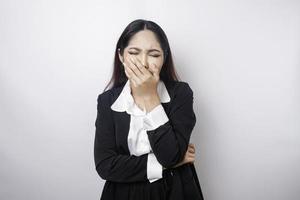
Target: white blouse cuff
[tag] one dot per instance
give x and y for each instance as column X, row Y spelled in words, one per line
column 155, row 118
column 154, row 168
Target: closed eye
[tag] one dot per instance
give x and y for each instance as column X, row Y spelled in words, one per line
column 150, row 55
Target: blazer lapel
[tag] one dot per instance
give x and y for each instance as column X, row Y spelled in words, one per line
column 122, row 122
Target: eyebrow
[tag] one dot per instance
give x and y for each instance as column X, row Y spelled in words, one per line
column 148, row 50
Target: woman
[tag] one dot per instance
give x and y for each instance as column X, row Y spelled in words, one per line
column 144, row 123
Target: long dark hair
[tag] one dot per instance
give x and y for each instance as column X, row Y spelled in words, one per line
column 167, row 72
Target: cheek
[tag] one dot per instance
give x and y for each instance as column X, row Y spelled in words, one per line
column 152, row 67
column 156, row 61
column 126, row 56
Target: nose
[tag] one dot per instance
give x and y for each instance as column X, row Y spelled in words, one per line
column 144, row 60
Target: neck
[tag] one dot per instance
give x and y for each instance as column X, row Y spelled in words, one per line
column 131, row 88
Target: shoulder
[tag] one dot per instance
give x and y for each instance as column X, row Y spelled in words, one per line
column 183, row 88
column 180, row 94
column 182, row 101
column 180, row 90
column 109, row 96
column 105, row 96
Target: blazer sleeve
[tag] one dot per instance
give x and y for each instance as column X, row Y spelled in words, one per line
column 169, row 141
column 111, row 165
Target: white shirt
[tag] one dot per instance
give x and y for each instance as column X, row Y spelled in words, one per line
column 140, row 122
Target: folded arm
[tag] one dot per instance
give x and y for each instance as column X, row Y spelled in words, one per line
column 170, row 140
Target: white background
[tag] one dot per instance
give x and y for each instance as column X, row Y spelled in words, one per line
column 240, row 57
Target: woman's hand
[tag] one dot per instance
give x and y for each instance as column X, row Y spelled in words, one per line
column 189, row 156
column 143, row 80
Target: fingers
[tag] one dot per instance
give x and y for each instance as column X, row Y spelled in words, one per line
column 137, row 72
column 141, row 67
column 190, row 158
column 138, row 68
column 192, row 145
column 190, row 154
column 130, row 75
column 135, row 67
column 154, row 70
column 131, row 71
column 191, row 148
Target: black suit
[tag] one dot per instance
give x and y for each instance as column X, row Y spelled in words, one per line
column 169, row 143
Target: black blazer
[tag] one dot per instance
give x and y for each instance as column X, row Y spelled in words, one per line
column 169, row 141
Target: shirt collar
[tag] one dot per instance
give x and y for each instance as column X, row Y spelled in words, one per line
column 125, row 101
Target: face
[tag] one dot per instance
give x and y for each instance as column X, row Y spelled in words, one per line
column 145, row 47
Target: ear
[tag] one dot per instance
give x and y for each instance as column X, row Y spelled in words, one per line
column 120, row 56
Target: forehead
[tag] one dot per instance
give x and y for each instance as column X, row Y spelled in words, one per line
column 144, row 39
